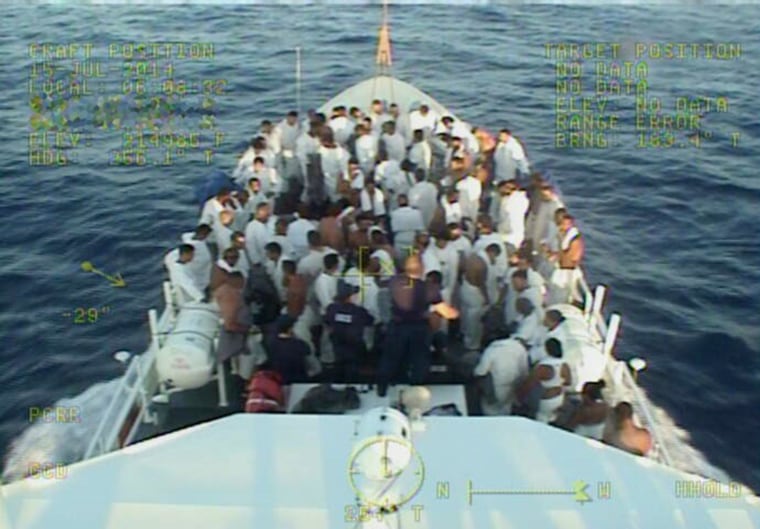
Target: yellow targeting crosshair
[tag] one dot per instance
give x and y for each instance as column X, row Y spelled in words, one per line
column 385, row 270
column 578, row 492
column 116, row 281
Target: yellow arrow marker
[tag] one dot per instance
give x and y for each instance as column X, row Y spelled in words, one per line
column 579, row 490
column 116, row 281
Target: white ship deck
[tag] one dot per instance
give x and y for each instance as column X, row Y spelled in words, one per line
column 285, row 471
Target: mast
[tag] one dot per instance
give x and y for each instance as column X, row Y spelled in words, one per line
column 383, row 59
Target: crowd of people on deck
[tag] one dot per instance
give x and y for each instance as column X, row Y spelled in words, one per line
column 380, row 242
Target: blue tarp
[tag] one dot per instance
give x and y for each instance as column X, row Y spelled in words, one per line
column 211, row 185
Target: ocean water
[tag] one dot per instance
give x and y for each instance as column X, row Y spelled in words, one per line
column 673, row 232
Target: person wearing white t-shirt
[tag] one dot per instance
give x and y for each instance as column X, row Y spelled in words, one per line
column 509, row 157
column 507, row 363
column 405, row 223
column 257, row 235
column 424, row 119
column 423, row 196
column 366, row 148
column 200, row 266
column 513, row 207
column 372, row 200
column 420, row 153
column 395, row 145
column 177, row 263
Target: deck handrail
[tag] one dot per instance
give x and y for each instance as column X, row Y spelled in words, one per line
column 608, row 336
column 126, row 394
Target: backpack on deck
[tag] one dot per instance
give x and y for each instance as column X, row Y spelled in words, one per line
column 265, row 393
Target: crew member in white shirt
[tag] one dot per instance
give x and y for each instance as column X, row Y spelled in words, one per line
column 509, row 157
column 405, row 223
column 177, row 263
column 257, row 234
column 395, row 145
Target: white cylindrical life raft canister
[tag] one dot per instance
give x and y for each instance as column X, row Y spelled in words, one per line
column 383, row 448
column 186, row 359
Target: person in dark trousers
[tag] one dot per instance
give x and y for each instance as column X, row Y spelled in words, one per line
column 287, row 354
column 347, row 321
column 407, row 343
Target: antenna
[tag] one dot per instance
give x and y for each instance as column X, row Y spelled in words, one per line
column 383, row 59
column 298, row 79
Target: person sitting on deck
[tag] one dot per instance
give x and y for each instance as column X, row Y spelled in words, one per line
column 552, row 375
column 346, row 322
column 506, row 361
column 287, row 353
column 590, row 418
column 407, row 344
column 626, row 434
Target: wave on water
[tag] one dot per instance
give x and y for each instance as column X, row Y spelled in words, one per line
column 60, row 443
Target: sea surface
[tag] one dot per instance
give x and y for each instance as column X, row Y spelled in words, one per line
column 673, row 232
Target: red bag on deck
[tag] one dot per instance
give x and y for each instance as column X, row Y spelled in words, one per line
column 265, row 393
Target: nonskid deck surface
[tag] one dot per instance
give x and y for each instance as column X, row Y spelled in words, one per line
column 190, row 407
